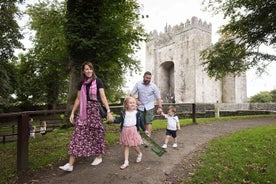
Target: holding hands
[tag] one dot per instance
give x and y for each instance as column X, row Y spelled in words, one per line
column 109, row 117
column 159, row 110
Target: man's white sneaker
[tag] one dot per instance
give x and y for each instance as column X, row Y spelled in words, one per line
column 164, row 146
column 97, row 161
column 174, row 145
column 67, row 167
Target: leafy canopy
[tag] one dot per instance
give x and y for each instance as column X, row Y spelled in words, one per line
column 263, row 97
column 251, row 28
column 107, row 33
column 9, row 41
column 44, row 65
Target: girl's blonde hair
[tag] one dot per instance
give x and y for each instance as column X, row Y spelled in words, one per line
column 126, row 101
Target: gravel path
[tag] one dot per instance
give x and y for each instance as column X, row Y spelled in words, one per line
column 173, row 166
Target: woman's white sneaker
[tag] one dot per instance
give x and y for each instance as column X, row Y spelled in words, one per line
column 66, row 167
column 97, row 161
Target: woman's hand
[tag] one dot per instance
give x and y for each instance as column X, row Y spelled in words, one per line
column 72, row 118
column 109, row 117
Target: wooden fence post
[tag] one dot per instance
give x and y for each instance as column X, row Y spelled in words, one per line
column 194, row 112
column 23, row 143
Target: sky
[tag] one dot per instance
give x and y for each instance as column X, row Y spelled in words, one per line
column 173, row 12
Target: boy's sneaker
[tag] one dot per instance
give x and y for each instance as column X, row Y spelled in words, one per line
column 175, row 145
column 164, row 146
column 97, row 161
column 67, row 167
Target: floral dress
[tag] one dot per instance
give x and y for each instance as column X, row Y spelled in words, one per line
column 88, row 137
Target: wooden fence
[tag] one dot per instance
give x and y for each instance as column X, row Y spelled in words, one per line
column 22, row 134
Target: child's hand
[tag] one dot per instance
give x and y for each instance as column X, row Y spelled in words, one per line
column 109, row 121
column 178, row 128
column 147, row 132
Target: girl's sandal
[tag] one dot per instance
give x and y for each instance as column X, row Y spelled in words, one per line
column 124, row 166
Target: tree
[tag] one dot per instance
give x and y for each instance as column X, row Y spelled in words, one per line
column 28, row 86
column 107, row 33
column 251, row 26
column 44, row 66
column 262, row 97
column 9, row 41
column 273, row 95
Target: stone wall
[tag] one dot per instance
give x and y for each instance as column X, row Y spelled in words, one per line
column 205, row 110
column 184, row 110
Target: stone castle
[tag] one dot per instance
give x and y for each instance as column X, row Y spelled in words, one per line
column 173, row 57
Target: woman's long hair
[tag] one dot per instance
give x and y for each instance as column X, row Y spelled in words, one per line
column 83, row 77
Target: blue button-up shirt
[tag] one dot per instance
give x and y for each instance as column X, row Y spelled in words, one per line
column 146, row 94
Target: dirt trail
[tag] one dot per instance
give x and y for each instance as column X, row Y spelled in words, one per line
column 173, row 165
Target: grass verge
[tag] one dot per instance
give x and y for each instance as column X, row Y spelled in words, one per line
column 247, row 156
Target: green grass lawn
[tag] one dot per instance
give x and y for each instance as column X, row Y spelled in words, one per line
column 247, row 156
column 51, row 148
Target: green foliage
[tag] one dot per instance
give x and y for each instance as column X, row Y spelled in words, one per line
column 225, row 57
column 44, row 66
column 9, row 41
column 105, row 32
column 8, row 81
column 273, row 95
column 264, row 97
column 247, row 156
column 28, row 86
column 251, row 25
column 9, row 29
column 108, row 34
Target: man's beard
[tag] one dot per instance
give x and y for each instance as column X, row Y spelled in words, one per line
column 146, row 82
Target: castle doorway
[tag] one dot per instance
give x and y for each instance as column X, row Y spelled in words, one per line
column 167, row 82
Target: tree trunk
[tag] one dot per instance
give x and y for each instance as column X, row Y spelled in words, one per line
column 74, row 79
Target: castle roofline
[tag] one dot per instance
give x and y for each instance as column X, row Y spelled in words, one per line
column 195, row 22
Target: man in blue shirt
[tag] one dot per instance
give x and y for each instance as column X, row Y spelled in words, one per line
column 147, row 92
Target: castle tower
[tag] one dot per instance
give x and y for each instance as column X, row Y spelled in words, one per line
column 173, row 57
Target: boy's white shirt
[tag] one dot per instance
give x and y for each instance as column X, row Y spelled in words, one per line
column 172, row 122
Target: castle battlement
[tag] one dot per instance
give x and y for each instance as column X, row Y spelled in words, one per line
column 169, row 31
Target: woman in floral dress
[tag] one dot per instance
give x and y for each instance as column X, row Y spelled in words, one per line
column 88, row 137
